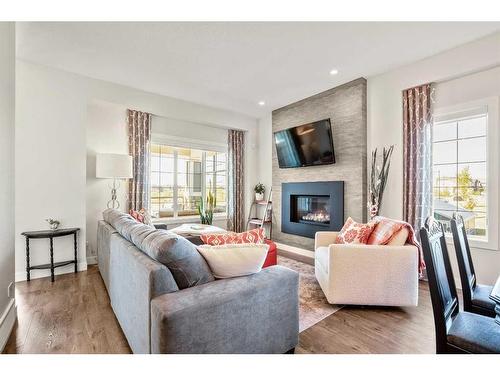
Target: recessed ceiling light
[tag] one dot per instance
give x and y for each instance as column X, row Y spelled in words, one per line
column 261, row 103
column 333, row 72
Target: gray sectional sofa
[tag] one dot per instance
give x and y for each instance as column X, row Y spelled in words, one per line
column 167, row 301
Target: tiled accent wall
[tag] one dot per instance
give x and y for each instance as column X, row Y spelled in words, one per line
column 346, row 107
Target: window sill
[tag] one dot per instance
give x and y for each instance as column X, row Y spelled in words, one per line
column 474, row 244
column 186, row 219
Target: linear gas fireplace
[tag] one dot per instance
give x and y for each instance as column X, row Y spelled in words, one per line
column 309, row 207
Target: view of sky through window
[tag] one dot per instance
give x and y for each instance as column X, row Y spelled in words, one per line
column 460, row 172
column 182, row 177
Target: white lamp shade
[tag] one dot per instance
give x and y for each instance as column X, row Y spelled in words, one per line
column 113, row 166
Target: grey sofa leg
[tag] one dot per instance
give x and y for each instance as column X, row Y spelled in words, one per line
column 291, row 351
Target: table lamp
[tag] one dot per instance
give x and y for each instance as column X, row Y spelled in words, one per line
column 117, row 167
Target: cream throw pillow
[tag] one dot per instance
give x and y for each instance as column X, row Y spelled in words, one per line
column 234, row 260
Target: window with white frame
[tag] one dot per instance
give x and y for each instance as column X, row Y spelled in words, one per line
column 460, row 170
column 182, row 177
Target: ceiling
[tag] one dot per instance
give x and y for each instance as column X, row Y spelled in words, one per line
column 235, row 65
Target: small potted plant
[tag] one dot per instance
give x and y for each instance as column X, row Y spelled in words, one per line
column 259, row 191
column 206, row 209
column 54, row 224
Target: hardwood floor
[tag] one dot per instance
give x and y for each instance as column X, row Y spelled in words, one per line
column 73, row 315
column 365, row 330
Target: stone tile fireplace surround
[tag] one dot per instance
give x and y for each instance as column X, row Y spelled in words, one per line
column 345, row 106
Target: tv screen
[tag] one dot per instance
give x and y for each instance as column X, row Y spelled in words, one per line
column 305, row 145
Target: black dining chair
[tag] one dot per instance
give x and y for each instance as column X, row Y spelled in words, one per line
column 456, row 331
column 476, row 296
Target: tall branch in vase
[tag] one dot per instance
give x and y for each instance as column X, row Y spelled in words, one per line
column 378, row 179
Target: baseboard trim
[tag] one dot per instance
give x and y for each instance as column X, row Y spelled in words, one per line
column 7, row 321
column 38, row 274
column 91, row 260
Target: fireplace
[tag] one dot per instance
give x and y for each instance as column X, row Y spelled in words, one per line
column 309, row 207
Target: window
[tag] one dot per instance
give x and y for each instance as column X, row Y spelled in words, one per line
column 460, row 171
column 182, row 177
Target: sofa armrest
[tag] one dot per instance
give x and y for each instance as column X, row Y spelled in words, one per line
column 251, row 314
column 324, row 238
column 374, row 274
column 135, row 279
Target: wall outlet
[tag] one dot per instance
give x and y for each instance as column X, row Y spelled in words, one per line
column 11, row 290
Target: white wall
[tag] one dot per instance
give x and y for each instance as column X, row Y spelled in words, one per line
column 7, row 75
column 106, row 133
column 188, row 130
column 453, row 69
column 51, row 147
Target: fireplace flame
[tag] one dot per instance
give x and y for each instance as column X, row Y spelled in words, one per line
column 318, row 217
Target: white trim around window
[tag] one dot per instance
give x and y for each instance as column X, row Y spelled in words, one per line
column 188, row 143
column 492, row 107
column 182, row 142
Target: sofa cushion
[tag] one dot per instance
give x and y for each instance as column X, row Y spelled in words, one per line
column 233, row 260
column 256, row 235
column 187, row 266
column 122, row 222
column 111, row 214
column 272, row 254
column 353, row 232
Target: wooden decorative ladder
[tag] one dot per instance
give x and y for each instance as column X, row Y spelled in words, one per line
column 267, row 216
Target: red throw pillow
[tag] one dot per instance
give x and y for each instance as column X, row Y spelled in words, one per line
column 137, row 216
column 251, row 236
column 353, row 232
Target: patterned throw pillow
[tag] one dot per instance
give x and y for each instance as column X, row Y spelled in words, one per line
column 385, row 230
column 251, row 236
column 142, row 216
column 353, row 232
column 146, row 217
column 137, row 216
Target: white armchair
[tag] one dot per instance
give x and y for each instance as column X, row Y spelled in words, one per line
column 354, row 274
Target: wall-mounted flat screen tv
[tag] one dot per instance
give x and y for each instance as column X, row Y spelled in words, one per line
column 305, row 145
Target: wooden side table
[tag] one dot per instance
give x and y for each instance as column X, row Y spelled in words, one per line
column 50, row 234
column 495, row 296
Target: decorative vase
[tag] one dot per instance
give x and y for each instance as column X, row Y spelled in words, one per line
column 54, row 226
column 259, row 196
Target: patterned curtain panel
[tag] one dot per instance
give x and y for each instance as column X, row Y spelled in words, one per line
column 236, row 203
column 139, row 135
column 417, row 133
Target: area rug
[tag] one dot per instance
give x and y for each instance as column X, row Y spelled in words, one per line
column 313, row 306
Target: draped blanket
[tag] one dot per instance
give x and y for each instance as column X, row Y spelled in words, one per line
column 385, row 230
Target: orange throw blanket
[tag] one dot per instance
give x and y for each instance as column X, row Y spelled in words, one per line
column 385, row 230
